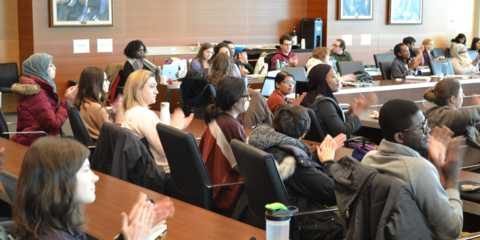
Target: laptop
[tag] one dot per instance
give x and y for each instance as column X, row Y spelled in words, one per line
column 170, row 71
column 268, row 86
column 299, row 73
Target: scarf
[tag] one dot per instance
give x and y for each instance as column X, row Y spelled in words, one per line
column 36, row 65
column 464, row 57
column 136, row 64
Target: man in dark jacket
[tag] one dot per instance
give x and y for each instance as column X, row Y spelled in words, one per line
column 308, row 182
column 380, row 207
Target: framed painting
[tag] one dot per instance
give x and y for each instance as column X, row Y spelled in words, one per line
column 405, row 12
column 81, row 13
column 354, row 9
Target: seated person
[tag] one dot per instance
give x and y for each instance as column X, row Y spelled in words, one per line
column 241, row 58
column 284, row 83
column 91, row 101
column 284, row 53
column 406, row 133
column 308, row 183
column 141, row 91
column 410, row 42
column 399, row 70
column 475, row 44
column 257, row 112
column 204, row 57
column 461, row 61
column 222, row 66
column 239, row 72
column 459, row 39
column 427, row 54
column 135, row 52
column 338, row 51
column 321, row 86
column 448, row 98
column 319, row 55
column 231, row 99
column 55, row 184
column 39, row 108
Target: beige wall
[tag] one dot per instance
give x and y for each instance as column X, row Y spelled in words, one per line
column 442, row 21
column 8, row 31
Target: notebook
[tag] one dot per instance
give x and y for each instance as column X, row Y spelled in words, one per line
column 170, row 71
column 268, row 86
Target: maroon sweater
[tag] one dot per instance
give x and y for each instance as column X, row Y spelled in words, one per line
column 281, row 57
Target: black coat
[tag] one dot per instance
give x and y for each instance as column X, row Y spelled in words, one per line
column 119, row 153
column 379, row 206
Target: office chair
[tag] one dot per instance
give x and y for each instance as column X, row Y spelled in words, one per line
column 383, row 57
column 386, row 69
column 4, row 128
column 8, row 76
column 472, row 54
column 191, row 182
column 315, row 134
column 436, row 67
column 79, row 129
column 9, row 182
column 350, row 67
column 437, row 52
column 263, row 184
column 268, row 59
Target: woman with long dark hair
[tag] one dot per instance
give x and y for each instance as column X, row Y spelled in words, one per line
column 323, row 82
column 231, row 99
column 91, row 101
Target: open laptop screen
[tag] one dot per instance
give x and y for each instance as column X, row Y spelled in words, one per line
column 268, row 86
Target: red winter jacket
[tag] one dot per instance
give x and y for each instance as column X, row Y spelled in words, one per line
column 37, row 110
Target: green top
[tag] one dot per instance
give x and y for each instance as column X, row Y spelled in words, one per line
column 341, row 58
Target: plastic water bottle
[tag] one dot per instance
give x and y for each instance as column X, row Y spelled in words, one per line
column 277, row 64
column 278, row 221
column 165, row 112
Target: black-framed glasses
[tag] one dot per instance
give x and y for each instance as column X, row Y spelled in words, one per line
column 423, row 127
column 333, row 45
column 288, row 82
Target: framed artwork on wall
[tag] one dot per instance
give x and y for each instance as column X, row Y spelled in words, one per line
column 354, row 9
column 81, row 13
column 405, row 12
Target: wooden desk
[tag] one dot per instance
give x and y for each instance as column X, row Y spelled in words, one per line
column 114, row 196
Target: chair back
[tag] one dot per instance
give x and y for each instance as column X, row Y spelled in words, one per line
column 189, row 175
column 8, row 76
column 437, row 52
column 262, row 181
column 436, row 67
column 197, row 73
column 472, row 54
column 383, row 57
column 79, row 129
column 448, row 52
column 301, row 87
column 3, row 125
column 208, row 98
column 386, row 69
column 268, row 59
column 350, row 67
column 9, row 182
column 315, row 134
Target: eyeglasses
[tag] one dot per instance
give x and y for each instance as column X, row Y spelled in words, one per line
column 333, row 45
column 288, row 82
column 287, row 44
column 424, row 127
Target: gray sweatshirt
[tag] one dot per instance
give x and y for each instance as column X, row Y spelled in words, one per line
column 441, row 210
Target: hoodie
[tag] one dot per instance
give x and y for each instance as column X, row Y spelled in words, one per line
column 282, row 57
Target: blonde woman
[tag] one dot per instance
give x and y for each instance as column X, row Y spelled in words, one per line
column 427, row 54
column 139, row 92
column 319, row 55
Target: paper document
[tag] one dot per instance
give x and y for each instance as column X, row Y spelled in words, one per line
column 366, row 39
column 105, row 45
column 81, row 45
column 348, row 39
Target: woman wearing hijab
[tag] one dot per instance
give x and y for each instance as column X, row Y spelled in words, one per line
column 39, row 108
column 323, row 82
column 461, row 62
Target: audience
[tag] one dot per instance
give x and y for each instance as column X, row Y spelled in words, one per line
column 91, row 101
column 475, row 44
column 309, row 183
column 141, row 91
column 135, row 52
column 399, row 70
column 231, row 99
column 319, row 55
column 39, row 108
column 427, row 54
column 56, row 182
column 241, row 58
column 223, row 48
column 204, row 57
column 407, row 134
column 284, row 84
column 461, row 61
column 323, row 83
column 222, row 66
column 338, row 51
column 410, row 42
column 448, row 98
column 284, row 54
column 459, row 39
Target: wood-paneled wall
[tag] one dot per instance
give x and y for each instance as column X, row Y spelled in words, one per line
column 441, row 22
column 159, row 23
